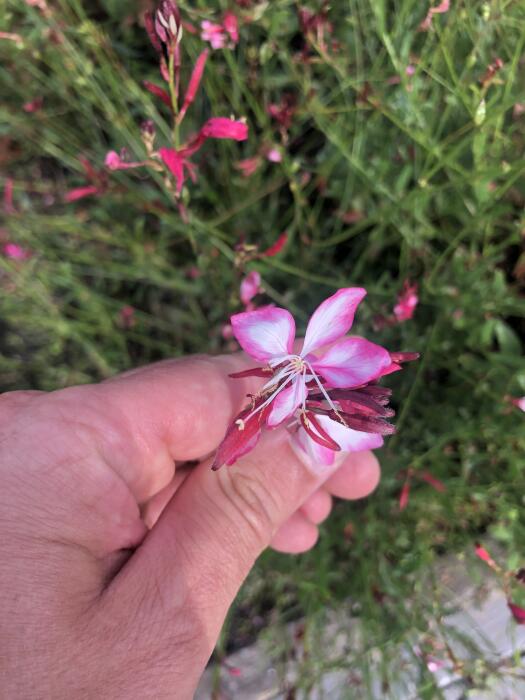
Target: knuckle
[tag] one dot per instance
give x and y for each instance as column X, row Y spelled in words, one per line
column 251, row 500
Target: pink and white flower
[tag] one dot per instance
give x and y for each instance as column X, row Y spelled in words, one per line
column 321, row 389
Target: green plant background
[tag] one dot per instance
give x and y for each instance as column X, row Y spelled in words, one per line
column 434, row 165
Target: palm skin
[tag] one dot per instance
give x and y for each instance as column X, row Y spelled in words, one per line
column 118, row 563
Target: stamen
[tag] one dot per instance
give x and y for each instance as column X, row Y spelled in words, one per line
column 323, row 391
column 270, row 398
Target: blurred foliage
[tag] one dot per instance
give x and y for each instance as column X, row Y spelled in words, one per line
column 404, row 160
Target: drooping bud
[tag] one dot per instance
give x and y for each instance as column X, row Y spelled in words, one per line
column 168, row 24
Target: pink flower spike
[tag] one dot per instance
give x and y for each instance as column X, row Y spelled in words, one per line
column 332, row 319
column 224, row 128
column 13, row 251
column 193, row 84
column 265, row 334
column 518, row 613
column 250, row 286
column 351, row 362
column 287, row 402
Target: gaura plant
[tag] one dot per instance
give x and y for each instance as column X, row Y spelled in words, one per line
column 326, row 394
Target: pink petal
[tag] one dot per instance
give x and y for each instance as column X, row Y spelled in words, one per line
column 248, row 166
column 287, row 401
column 266, row 333
column 13, row 251
column 113, row 160
column 175, row 163
column 351, row 362
column 231, row 25
column 224, row 128
column 404, row 496
column 317, row 453
column 250, row 286
column 519, row 403
column 81, row 192
column 158, row 92
column 276, row 247
column 332, row 319
column 350, row 440
column 194, row 83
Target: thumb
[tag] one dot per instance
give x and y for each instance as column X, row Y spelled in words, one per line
column 192, row 563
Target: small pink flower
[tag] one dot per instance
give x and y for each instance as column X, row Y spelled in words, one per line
column 127, row 317
column 34, row 105
column 177, row 161
column 114, row 161
column 225, row 34
column 406, row 302
column 325, row 382
column 274, row 155
column 81, row 192
column 13, row 251
column 250, row 287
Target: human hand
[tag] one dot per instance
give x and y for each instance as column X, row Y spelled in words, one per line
column 118, row 567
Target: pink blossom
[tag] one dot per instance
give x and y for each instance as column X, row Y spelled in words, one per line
column 220, row 35
column 33, row 105
column 323, row 386
column 177, row 161
column 406, row 302
column 250, row 287
column 13, row 251
column 440, row 9
column 274, row 155
column 193, row 85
